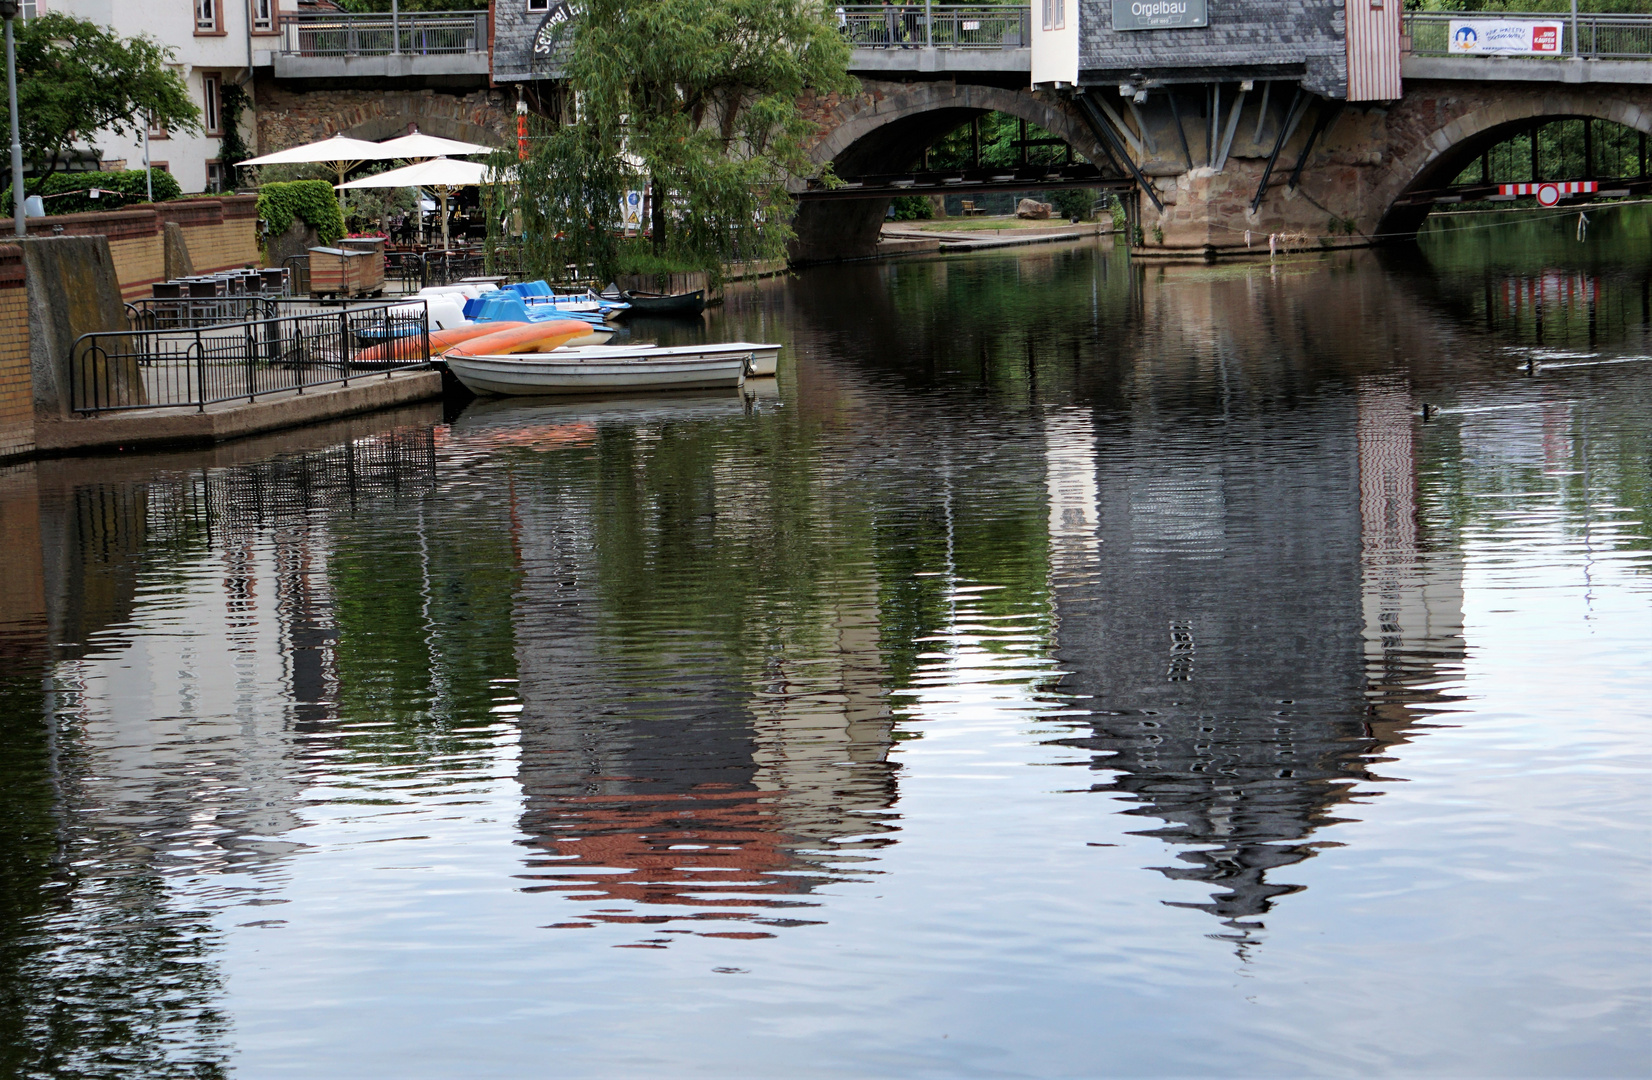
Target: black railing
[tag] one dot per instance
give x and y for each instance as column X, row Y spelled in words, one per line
column 206, row 365
column 195, row 312
column 912, row 25
column 337, row 33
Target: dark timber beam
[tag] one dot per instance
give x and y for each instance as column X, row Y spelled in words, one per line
column 1181, row 132
column 1098, row 123
column 1286, row 126
column 1322, row 123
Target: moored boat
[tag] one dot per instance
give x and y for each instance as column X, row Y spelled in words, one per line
column 598, row 369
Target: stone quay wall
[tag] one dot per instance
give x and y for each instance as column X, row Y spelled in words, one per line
column 220, row 233
column 16, row 373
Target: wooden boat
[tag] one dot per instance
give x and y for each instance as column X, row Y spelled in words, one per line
column 667, row 304
column 600, row 369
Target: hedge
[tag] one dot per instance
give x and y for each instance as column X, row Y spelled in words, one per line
column 63, row 191
column 310, row 201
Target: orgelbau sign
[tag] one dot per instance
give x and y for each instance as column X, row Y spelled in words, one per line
column 1505, row 36
column 1159, row 14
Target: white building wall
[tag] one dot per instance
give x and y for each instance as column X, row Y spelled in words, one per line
column 1054, row 42
column 224, row 54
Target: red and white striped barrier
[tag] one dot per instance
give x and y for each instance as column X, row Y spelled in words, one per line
column 1551, row 192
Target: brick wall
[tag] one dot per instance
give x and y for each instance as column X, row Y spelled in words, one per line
column 16, row 380
column 221, row 233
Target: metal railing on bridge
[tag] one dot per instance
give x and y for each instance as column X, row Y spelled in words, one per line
column 1598, row 37
column 208, row 363
column 940, row 26
column 413, row 34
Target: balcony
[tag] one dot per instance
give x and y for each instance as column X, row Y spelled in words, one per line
column 937, row 38
column 377, row 46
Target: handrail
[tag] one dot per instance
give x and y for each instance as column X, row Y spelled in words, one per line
column 919, row 25
column 1599, row 37
column 376, row 34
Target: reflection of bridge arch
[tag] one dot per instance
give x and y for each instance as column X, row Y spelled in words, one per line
column 886, row 128
column 1436, row 158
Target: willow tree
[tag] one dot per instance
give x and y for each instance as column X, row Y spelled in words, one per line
column 695, row 102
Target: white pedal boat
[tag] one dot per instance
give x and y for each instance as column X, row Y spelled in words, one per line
column 599, row 369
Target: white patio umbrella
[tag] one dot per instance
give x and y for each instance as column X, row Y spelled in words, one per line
column 341, row 152
column 441, row 175
column 418, row 146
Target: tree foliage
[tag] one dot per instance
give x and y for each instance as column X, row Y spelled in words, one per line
column 696, row 102
column 76, row 78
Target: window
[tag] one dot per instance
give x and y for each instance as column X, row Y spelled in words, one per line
column 28, row 9
column 539, row 5
column 1055, row 14
column 209, row 104
column 158, row 131
column 263, row 16
column 206, row 17
column 215, row 177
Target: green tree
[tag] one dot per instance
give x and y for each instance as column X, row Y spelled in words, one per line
column 76, row 78
column 696, row 100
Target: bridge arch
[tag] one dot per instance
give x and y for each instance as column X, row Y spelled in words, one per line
column 1446, row 149
column 886, row 128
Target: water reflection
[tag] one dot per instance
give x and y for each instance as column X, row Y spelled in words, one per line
column 1180, row 531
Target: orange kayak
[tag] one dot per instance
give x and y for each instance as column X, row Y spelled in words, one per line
column 407, row 348
column 525, row 337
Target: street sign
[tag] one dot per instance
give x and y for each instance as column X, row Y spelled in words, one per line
column 1159, row 14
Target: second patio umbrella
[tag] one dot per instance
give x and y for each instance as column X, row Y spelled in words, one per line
column 441, row 175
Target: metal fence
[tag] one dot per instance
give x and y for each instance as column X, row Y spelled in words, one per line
column 420, row 34
column 939, row 26
column 1599, row 37
column 194, row 312
column 205, row 365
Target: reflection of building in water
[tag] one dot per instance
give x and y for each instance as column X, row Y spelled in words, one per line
column 188, row 613
column 718, row 775
column 1257, row 582
column 159, row 604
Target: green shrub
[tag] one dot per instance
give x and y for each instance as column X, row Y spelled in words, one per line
column 68, row 193
column 310, row 201
column 1073, row 202
column 912, row 208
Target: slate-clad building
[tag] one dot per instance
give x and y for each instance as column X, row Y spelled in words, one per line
column 1314, row 43
column 529, row 37
column 1122, row 41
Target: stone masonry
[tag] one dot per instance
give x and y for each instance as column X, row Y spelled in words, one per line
column 290, row 117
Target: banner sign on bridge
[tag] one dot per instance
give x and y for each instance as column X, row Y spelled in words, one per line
column 1506, row 36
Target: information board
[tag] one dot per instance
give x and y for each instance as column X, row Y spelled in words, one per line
column 1159, row 14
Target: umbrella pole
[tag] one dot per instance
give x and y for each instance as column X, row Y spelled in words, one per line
column 441, row 190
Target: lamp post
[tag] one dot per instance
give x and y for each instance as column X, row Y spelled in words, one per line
column 8, row 11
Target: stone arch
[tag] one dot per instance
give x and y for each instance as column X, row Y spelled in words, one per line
column 1446, row 149
column 289, row 118
column 886, row 127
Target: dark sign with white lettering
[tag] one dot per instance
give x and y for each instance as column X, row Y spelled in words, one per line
column 1159, row 14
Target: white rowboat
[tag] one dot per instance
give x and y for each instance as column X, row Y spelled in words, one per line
column 599, row 369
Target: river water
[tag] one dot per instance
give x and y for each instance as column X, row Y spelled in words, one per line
column 1068, row 667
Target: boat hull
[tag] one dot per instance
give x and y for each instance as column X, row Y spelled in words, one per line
column 603, row 373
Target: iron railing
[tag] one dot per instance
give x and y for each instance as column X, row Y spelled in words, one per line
column 940, row 26
column 206, row 365
column 1599, row 37
column 195, row 312
column 415, row 34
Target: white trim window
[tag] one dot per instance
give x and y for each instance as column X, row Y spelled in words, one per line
column 263, row 16
column 1055, row 14
column 206, row 16
column 211, row 104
